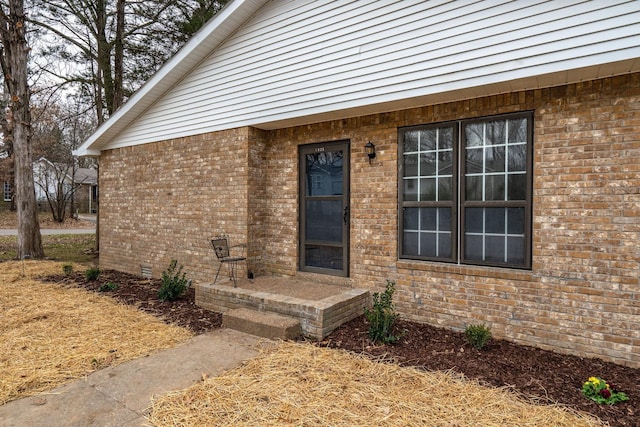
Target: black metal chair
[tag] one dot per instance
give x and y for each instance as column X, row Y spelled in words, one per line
column 224, row 254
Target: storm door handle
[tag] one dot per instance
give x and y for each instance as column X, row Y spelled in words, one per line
column 345, row 214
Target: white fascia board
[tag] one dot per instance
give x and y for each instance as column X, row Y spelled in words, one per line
column 223, row 24
column 83, row 151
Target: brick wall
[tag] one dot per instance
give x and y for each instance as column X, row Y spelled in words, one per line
column 164, row 201
column 582, row 295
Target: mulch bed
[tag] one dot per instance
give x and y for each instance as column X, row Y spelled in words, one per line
column 546, row 375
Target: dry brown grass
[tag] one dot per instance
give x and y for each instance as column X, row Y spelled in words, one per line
column 303, row 385
column 51, row 334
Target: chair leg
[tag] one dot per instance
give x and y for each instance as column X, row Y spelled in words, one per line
column 232, row 273
column 218, row 272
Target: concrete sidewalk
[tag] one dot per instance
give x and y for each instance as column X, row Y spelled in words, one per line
column 121, row 395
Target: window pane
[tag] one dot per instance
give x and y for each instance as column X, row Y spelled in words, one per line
column 474, row 220
column 474, row 135
column 473, row 188
column 445, row 162
column 515, row 224
column 445, row 189
column 495, row 187
column 495, row 133
column 517, row 130
column 444, row 220
column 517, row 187
column 410, row 243
column 428, row 189
column 517, row 158
column 494, row 220
column 494, row 249
column 410, row 141
column 494, row 159
column 445, row 140
column 428, row 164
column 473, row 160
column 515, row 250
column 428, row 244
column 324, row 173
column 473, row 247
column 428, row 218
column 410, row 193
column 410, row 166
column 444, row 245
column 410, row 220
column 428, row 139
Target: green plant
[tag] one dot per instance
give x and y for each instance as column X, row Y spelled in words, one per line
column 67, row 269
column 92, row 273
column 109, row 286
column 599, row 391
column 477, row 335
column 174, row 283
column 382, row 316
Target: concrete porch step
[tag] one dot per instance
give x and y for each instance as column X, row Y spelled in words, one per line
column 262, row 324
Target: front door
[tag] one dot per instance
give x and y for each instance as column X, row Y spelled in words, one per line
column 324, row 208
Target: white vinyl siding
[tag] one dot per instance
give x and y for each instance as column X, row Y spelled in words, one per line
column 324, row 59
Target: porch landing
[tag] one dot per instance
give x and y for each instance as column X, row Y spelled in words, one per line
column 320, row 308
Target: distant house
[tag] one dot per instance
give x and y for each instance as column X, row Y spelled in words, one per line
column 6, row 193
column 6, row 179
column 78, row 189
column 505, row 186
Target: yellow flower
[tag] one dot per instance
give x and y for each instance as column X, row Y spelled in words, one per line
column 594, row 380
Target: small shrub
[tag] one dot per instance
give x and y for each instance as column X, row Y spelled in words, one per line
column 107, row 287
column 92, row 273
column 477, row 335
column 382, row 316
column 67, row 269
column 174, row 283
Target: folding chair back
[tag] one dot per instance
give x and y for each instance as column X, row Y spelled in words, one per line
column 220, row 247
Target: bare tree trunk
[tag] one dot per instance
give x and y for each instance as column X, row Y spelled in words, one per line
column 97, row 202
column 13, row 59
column 118, row 57
column 104, row 55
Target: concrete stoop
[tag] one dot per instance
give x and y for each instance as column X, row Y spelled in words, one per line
column 262, row 324
column 317, row 314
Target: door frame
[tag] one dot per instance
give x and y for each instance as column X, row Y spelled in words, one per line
column 303, row 150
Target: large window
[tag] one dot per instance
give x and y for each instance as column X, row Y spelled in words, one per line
column 465, row 191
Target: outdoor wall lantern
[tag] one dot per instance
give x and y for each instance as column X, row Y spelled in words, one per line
column 370, row 149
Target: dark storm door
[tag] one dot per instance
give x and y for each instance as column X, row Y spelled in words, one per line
column 324, row 208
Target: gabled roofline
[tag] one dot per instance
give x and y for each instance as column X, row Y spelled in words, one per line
column 223, row 24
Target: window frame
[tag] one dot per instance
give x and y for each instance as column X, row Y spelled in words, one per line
column 459, row 203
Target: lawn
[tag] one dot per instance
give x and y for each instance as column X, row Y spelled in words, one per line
column 77, row 248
